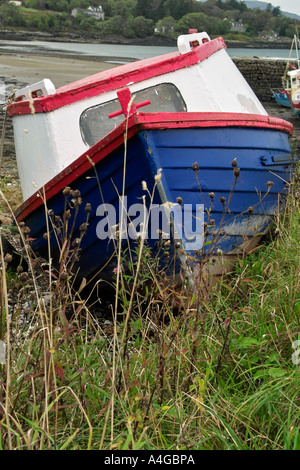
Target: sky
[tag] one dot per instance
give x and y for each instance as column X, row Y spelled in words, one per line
column 292, row 6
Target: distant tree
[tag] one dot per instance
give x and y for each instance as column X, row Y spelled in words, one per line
column 269, row 8
column 142, row 26
column 32, row 22
column 233, row 15
column 290, row 31
column 67, row 25
column 31, row 4
column 35, row 4
column 114, row 25
column 179, row 8
column 202, row 22
column 143, row 8
column 256, row 20
column 284, row 27
column 235, row 5
column 152, row 9
column 57, row 5
column 276, row 11
column 75, row 4
column 10, row 15
column 220, row 27
column 209, row 8
column 220, row 4
column 53, row 23
column 85, row 24
column 124, row 8
column 166, row 26
column 197, row 21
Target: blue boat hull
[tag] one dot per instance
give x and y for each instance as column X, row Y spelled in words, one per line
column 282, row 99
column 261, row 154
column 214, row 150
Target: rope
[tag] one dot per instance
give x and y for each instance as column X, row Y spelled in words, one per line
column 283, row 78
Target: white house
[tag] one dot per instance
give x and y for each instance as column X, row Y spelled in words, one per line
column 238, row 26
column 16, row 3
column 94, row 12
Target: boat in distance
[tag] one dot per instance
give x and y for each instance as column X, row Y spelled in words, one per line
column 281, row 98
column 183, row 132
column 289, row 96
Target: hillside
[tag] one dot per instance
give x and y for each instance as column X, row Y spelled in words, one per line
column 264, row 5
column 137, row 20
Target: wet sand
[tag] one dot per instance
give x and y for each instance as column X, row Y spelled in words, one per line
column 27, row 69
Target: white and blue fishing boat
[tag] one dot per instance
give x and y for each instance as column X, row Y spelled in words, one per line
column 293, row 90
column 195, row 132
column 289, row 96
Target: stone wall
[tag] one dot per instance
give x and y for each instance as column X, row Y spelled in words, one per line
column 263, row 75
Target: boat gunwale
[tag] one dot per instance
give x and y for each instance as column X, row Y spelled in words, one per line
column 130, row 127
column 116, row 78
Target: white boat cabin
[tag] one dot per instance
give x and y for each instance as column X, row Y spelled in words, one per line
column 53, row 127
column 294, row 80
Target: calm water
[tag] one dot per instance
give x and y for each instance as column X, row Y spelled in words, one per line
column 270, row 53
column 109, row 51
column 124, row 53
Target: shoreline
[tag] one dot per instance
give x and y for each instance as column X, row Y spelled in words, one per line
column 147, row 41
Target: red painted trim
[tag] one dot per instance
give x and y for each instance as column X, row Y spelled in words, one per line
column 143, row 121
column 294, row 106
column 196, row 119
column 117, row 78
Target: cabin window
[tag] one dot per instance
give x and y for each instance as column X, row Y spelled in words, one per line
column 94, row 121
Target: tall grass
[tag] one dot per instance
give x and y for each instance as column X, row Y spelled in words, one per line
column 178, row 372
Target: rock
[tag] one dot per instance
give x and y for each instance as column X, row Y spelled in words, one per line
column 5, row 220
column 16, row 259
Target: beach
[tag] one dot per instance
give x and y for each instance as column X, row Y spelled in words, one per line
column 27, row 69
